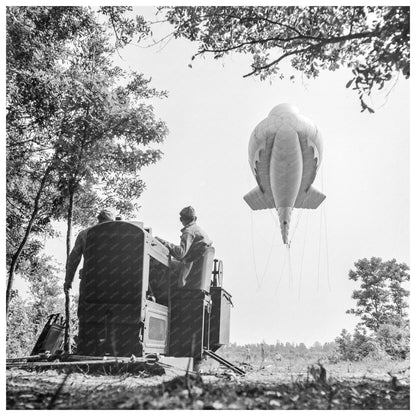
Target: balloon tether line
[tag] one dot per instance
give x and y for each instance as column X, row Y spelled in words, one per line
column 296, row 225
column 290, row 265
column 303, row 253
column 326, row 232
column 319, row 250
column 271, row 249
column 281, row 274
column 252, row 251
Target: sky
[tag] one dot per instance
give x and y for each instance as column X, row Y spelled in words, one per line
column 299, row 294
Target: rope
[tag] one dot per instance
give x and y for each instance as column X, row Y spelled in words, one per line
column 303, row 253
column 319, row 249
column 290, row 266
column 299, row 215
column 271, row 250
column 327, row 253
column 281, row 275
column 252, row 251
column 326, row 230
column 248, row 174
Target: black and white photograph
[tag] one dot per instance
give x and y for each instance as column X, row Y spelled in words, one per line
column 207, row 206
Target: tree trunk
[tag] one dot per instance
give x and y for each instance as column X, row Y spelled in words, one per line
column 19, row 250
column 67, row 342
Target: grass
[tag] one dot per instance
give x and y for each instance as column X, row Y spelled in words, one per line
column 268, row 384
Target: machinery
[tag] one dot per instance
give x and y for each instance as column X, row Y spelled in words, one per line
column 130, row 303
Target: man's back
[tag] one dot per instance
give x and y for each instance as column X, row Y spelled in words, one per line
column 200, row 241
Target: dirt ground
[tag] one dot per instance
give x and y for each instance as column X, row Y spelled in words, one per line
column 270, row 387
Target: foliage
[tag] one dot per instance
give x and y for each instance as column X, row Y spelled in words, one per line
column 19, row 341
column 78, row 127
column 345, row 346
column 66, row 99
column 28, row 316
column 44, row 282
column 374, row 42
column 263, row 352
column 382, row 306
column 394, row 340
column 381, row 298
column 390, row 341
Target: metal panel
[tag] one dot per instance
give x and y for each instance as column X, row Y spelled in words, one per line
column 187, row 323
column 220, row 318
column 199, row 277
column 113, row 264
column 155, row 336
column 52, row 336
column 111, row 290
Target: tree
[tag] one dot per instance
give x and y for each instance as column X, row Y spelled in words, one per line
column 344, row 345
column 37, row 41
column 381, row 298
column 75, row 134
column 374, row 42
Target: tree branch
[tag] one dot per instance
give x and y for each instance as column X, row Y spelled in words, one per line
column 324, row 41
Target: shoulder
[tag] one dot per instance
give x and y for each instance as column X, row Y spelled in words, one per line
column 196, row 229
column 189, row 229
column 83, row 233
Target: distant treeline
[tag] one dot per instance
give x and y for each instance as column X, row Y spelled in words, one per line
column 250, row 353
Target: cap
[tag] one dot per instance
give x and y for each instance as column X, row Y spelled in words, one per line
column 188, row 213
column 106, row 214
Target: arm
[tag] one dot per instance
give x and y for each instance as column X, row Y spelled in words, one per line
column 74, row 259
column 179, row 252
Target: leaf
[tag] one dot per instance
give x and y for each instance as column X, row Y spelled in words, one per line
column 349, row 83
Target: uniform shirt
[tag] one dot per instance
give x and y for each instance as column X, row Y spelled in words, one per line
column 193, row 242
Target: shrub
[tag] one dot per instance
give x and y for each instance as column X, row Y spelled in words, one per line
column 395, row 340
column 20, row 338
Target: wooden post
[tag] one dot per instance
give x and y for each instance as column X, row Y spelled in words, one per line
column 67, row 339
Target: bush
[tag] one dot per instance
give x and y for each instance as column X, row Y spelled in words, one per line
column 390, row 341
column 20, row 338
column 394, row 340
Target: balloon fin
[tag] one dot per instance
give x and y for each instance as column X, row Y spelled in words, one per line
column 256, row 200
column 312, row 199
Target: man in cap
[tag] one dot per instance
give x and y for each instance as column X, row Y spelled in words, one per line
column 193, row 243
column 74, row 258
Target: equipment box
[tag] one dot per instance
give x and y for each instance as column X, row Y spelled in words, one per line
column 220, row 318
column 51, row 338
column 187, row 323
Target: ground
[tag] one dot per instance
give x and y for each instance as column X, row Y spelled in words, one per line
column 275, row 385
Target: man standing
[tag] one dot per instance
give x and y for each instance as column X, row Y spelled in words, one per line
column 192, row 246
column 79, row 248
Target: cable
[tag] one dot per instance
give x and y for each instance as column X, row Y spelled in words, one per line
column 303, row 252
column 326, row 229
column 270, row 253
column 327, row 253
column 319, row 249
column 252, row 251
column 299, row 215
column 281, row 274
column 290, row 266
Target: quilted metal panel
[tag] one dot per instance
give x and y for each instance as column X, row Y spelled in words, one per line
column 113, row 263
column 111, row 290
